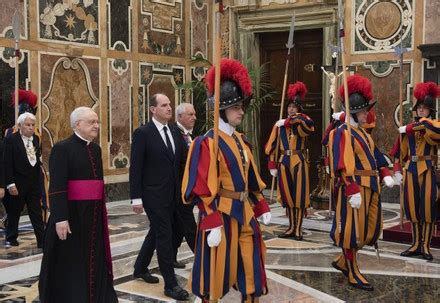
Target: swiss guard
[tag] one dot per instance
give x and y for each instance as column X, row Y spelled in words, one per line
column 420, row 141
column 229, row 251
column 357, row 167
column 28, row 103
column 292, row 167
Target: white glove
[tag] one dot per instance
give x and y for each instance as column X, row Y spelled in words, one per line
column 274, row 172
column 398, row 177
column 389, row 181
column 402, row 129
column 337, row 116
column 327, row 169
column 355, row 200
column 214, row 237
column 280, row 123
column 265, row 218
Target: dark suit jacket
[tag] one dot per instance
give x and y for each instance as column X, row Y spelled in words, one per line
column 155, row 175
column 2, row 165
column 18, row 169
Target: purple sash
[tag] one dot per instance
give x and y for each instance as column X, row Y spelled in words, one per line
column 79, row 190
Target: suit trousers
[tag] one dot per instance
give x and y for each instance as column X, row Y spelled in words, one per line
column 29, row 196
column 184, row 226
column 159, row 237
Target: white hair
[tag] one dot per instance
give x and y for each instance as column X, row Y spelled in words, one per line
column 23, row 117
column 180, row 109
column 78, row 113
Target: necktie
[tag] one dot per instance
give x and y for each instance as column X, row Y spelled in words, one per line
column 187, row 139
column 167, row 138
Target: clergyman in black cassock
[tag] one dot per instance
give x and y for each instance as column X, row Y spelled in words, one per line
column 77, row 268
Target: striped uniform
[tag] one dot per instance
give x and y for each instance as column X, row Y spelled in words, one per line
column 355, row 168
column 239, row 259
column 293, row 168
column 419, row 150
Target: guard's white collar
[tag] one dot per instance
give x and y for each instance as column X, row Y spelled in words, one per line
column 226, row 127
column 353, row 123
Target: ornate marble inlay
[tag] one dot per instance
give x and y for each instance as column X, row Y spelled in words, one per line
column 162, row 28
column 70, row 87
column 380, row 25
column 382, row 20
column 69, row 21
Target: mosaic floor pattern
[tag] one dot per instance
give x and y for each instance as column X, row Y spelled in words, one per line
column 298, row 271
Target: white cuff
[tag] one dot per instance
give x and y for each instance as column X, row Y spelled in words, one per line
column 10, row 185
column 137, row 201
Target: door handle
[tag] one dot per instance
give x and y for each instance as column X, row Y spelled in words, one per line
column 309, row 67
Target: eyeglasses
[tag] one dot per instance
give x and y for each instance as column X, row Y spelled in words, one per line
column 90, row 122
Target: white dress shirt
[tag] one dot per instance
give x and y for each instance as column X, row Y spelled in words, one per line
column 160, row 127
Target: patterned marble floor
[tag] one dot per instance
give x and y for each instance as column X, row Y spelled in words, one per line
column 297, row 271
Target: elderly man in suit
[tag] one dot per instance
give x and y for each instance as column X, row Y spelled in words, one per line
column 185, row 223
column 157, row 157
column 22, row 163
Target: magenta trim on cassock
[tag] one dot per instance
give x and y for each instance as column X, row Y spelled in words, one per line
column 79, row 190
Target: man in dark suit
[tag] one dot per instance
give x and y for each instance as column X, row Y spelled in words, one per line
column 157, row 156
column 22, row 176
column 185, row 224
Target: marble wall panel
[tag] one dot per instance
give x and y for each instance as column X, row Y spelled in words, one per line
column 432, row 22
column 120, row 99
column 160, row 78
column 378, row 26
column 199, row 28
column 66, row 83
column 386, row 93
column 162, row 28
column 225, row 33
column 119, row 25
column 8, row 8
column 71, row 21
column 7, row 83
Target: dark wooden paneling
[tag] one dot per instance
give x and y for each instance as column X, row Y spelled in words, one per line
column 307, row 53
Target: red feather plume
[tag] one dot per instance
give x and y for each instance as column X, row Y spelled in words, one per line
column 25, row 96
column 357, row 84
column 230, row 70
column 298, row 88
column 423, row 89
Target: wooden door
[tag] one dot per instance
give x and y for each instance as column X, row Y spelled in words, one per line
column 304, row 65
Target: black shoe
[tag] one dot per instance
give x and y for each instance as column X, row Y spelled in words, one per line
column 11, row 243
column 178, row 264
column 177, row 293
column 298, row 238
column 147, row 277
column 367, row 287
column 410, row 253
column 285, row 236
column 344, row 271
column 426, row 255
